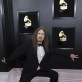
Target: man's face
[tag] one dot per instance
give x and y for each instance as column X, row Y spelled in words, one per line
column 40, row 35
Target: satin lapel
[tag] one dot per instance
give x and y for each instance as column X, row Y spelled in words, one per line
column 44, row 57
column 35, row 53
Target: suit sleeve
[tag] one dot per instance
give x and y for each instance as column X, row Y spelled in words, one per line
column 17, row 52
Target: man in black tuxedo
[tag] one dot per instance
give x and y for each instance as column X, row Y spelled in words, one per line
column 37, row 57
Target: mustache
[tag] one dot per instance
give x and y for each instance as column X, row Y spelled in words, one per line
column 40, row 37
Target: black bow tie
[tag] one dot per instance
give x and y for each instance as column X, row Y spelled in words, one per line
column 40, row 44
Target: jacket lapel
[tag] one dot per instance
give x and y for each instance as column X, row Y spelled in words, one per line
column 44, row 58
column 35, row 53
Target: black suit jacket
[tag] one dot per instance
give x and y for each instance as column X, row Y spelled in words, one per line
column 31, row 62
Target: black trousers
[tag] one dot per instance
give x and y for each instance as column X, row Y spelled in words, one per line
column 53, row 75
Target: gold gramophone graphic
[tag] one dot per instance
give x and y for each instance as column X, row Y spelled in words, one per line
column 27, row 22
column 63, row 5
column 62, row 36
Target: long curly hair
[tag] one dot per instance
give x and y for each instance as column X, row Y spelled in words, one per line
column 34, row 39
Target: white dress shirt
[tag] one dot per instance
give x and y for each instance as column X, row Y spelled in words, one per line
column 40, row 54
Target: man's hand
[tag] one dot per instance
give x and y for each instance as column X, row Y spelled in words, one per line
column 73, row 56
column 3, row 60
